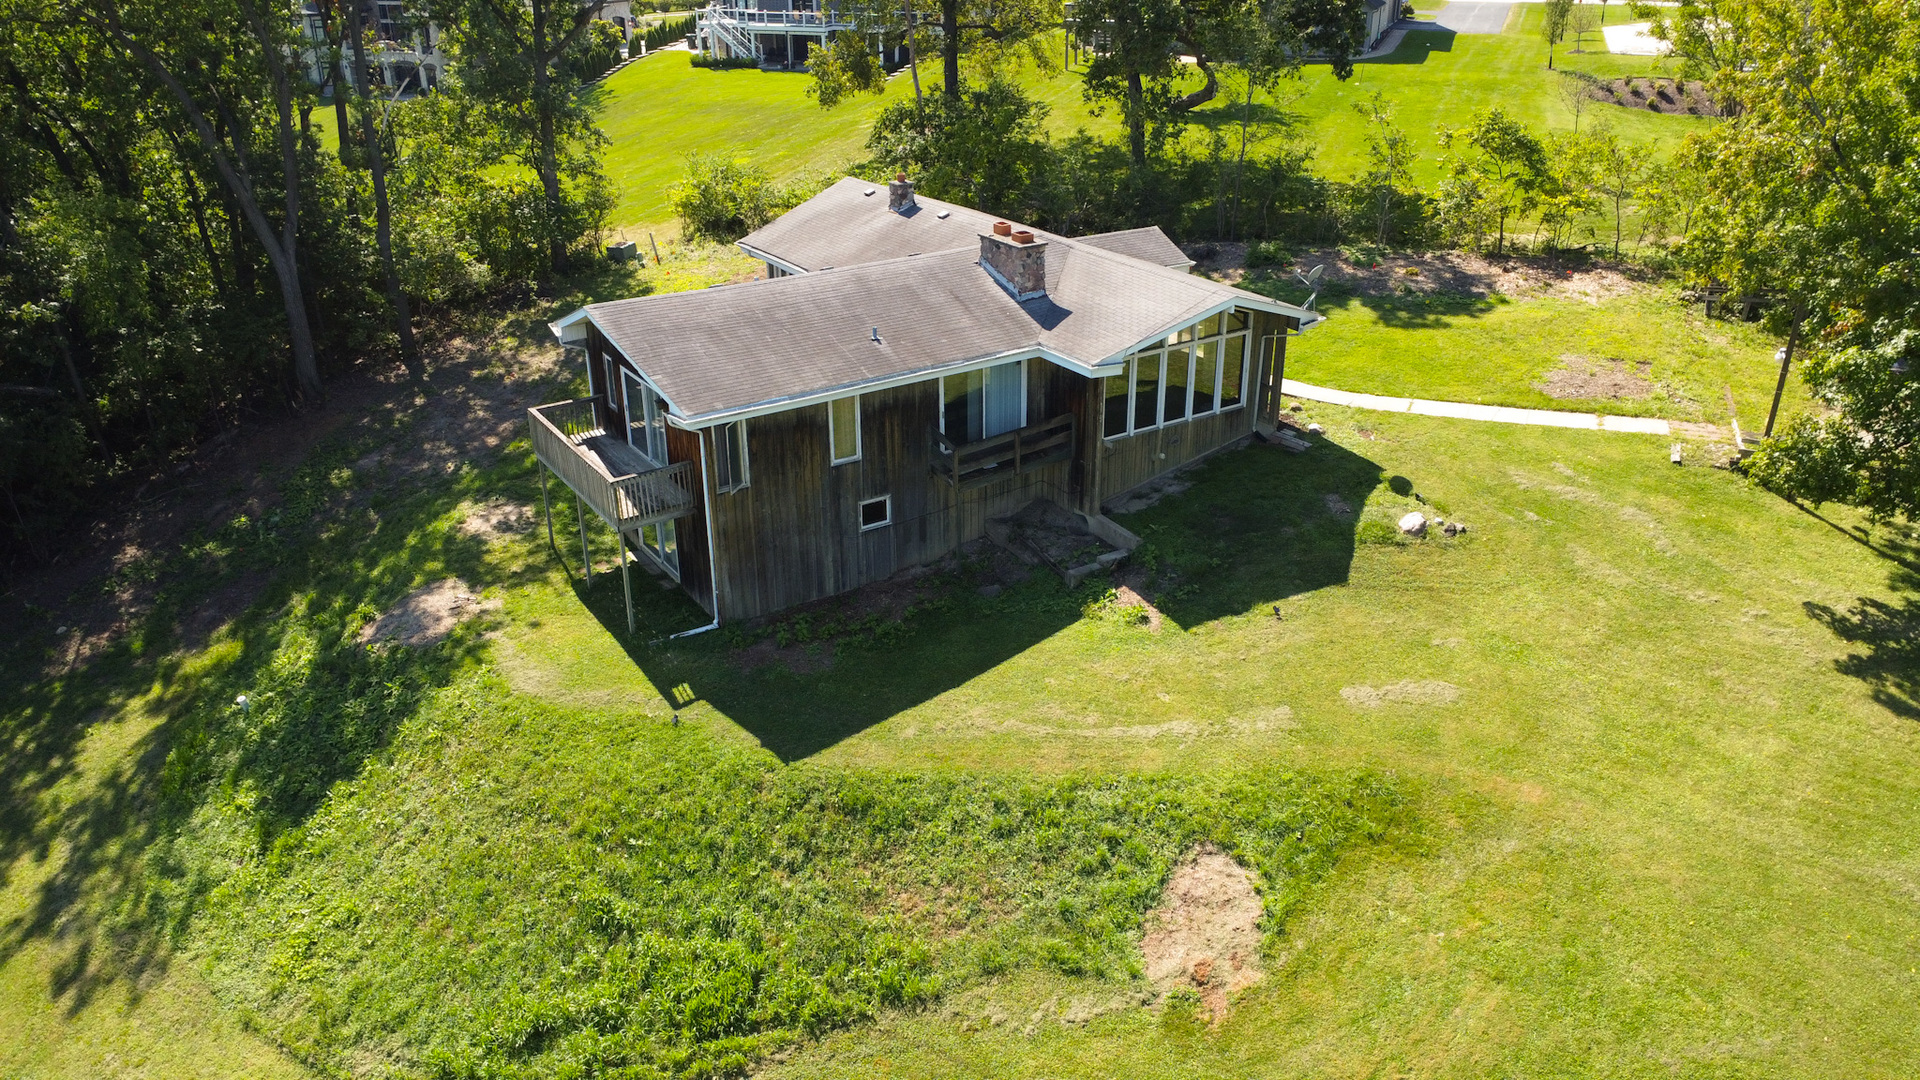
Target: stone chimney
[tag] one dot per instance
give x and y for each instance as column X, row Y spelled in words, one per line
column 1016, row 260
column 900, row 194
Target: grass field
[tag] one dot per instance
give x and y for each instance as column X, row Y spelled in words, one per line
column 1617, row 784
column 1501, row 350
column 657, row 111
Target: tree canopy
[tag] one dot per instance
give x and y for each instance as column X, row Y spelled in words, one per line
column 1816, row 183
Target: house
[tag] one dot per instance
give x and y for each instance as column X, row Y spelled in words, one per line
column 907, row 371
column 406, row 54
column 1381, row 15
column 779, row 33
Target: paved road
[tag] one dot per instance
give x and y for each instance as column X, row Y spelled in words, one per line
column 1459, row 410
column 1473, row 18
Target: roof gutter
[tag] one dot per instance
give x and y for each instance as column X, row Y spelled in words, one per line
column 769, row 259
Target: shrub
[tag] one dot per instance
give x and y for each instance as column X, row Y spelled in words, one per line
column 722, row 199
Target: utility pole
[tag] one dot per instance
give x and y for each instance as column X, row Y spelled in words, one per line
column 1786, row 360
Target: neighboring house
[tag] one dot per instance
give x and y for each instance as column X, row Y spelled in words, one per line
column 1381, row 15
column 777, row 33
column 406, row 53
column 908, row 370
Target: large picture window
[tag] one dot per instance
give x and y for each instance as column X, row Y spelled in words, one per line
column 730, row 456
column 1197, row 371
column 977, row 405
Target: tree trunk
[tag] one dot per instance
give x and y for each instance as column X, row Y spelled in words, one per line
column 950, row 48
column 376, row 153
column 548, row 165
column 281, row 250
column 340, row 126
column 1136, row 118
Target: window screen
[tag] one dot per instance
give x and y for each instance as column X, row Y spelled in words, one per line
column 843, row 424
column 1146, row 391
column 1233, row 371
column 730, row 456
column 1117, row 394
column 1206, row 368
column 1178, row 368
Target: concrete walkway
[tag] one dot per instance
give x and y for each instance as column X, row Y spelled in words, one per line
column 1500, row 414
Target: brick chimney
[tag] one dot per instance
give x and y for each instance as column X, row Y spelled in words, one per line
column 900, row 194
column 1016, row 260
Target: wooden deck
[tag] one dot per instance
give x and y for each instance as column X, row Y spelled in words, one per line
column 616, row 481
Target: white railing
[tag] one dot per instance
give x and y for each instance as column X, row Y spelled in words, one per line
column 625, row 502
column 778, row 20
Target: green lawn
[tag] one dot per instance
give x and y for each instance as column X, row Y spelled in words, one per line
column 657, row 111
column 661, row 109
column 1499, row 350
column 1619, row 783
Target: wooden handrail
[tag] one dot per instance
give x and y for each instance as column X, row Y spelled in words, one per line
column 626, row 502
column 1025, row 448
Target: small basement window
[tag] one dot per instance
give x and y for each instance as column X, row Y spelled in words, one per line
column 875, row 513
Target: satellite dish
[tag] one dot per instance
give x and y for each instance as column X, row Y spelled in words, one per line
column 1311, row 279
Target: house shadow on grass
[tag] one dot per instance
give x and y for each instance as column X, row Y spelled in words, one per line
column 1417, row 46
column 1257, row 525
column 1886, row 632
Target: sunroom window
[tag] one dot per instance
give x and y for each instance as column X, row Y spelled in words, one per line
column 1198, row 370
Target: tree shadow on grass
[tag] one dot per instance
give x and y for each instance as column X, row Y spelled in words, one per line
column 118, row 859
column 1401, row 310
column 1886, row 632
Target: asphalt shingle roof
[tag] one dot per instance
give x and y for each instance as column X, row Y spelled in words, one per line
column 1148, row 244
column 758, row 344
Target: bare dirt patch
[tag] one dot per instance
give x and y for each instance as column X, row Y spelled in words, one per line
column 1409, row 692
column 1128, row 596
column 428, row 614
column 493, row 520
column 1580, row 377
column 1206, row 932
column 1147, row 494
column 1465, row 273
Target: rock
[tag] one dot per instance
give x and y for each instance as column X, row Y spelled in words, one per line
column 1316, row 429
column 1414, row 524
column 989, row 591
column 1295, row 407
column 1452, row 528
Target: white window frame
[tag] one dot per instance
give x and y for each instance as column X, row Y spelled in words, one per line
column 746, row 469
column 940, row 394
column 1156, row 357
column 885, row 501
column 858, row 445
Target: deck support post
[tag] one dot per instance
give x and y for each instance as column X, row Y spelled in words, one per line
column 546, row 508
column 626, row 581
column 586, row 557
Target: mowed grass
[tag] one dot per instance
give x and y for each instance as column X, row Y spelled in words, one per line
column 1501, row 350
column 1618, row 783
column 657, row 111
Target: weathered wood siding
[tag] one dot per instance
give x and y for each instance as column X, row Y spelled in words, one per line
column 793, row 534
column 696, row 572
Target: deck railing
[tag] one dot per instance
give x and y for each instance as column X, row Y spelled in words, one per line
column 1008, row 454
column 626, row 502
column 753, row 17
